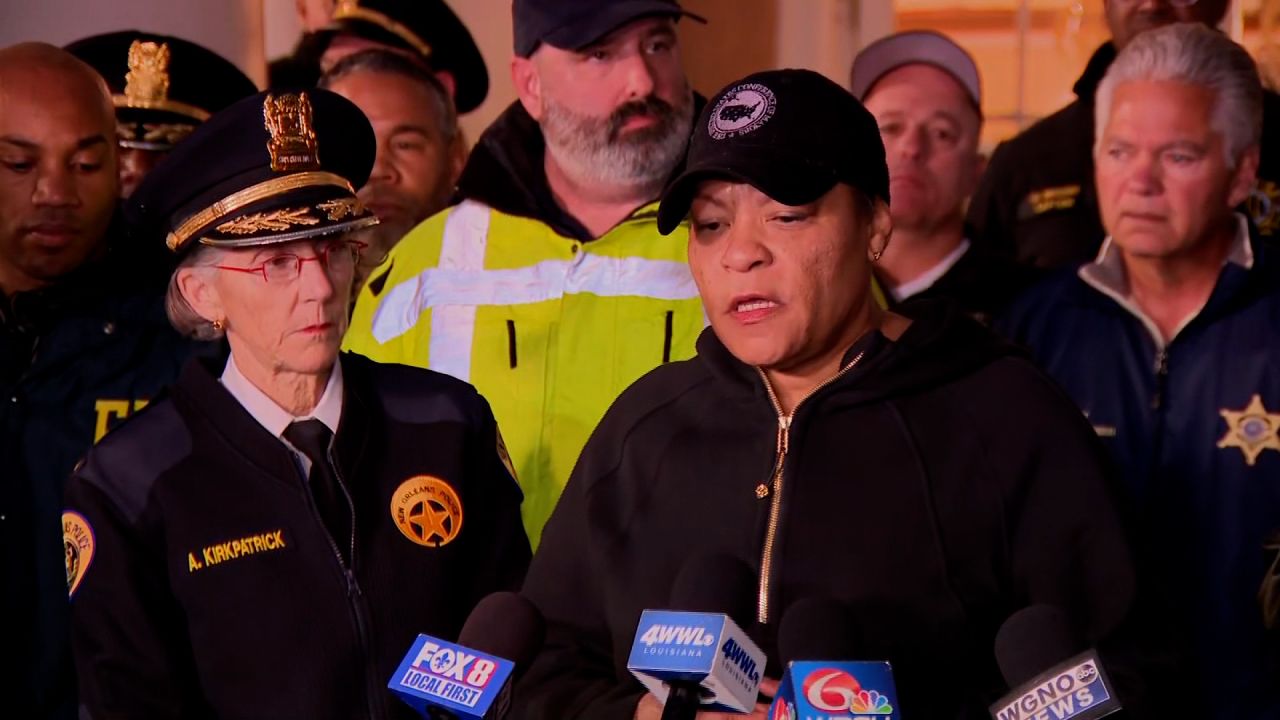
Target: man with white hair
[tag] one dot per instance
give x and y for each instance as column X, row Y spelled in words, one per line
column 1037, row 201
column 1169, row 343
column 549, row 287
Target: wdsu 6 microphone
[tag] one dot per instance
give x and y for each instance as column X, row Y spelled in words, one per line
column 471, row 679
column 1039, row 657
column 816, row 640
column 698, row 658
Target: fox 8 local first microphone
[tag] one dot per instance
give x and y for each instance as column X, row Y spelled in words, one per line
column 471, row 679
column 697, row 658
column 1052, row 679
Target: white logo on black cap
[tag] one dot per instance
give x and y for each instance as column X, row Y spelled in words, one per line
column 741, row 110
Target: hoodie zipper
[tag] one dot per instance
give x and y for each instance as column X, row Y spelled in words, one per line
column 785, row 421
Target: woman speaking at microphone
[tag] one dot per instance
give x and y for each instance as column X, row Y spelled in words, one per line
column 913, row 466
column 268, row 541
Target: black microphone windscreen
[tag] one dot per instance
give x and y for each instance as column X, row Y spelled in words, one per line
column 507, row 625
column 817, row 628
column 1033, row 640
column 716, row 584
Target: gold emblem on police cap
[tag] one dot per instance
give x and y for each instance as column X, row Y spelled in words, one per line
column 1252, row 429
column 293, row 144
column 147, row 81
column 427, row 511
column 78, row 544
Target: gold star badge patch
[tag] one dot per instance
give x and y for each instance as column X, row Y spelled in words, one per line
column 427, row 511
column 1252, row 429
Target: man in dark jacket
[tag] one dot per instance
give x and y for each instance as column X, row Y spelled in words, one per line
column 1169, row 343
column 83, row 343
column 926, row 95
column 1037, row 201
column 914, row 467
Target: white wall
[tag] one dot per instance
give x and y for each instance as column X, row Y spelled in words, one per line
column 819, row 34
column 232, row 28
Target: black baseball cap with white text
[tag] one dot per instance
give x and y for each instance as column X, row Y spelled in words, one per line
column 792, row 134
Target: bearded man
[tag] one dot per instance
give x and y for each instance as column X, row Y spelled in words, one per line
column 548, row 286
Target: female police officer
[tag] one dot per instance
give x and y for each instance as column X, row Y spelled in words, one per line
column 270, row 539
column 915, row 468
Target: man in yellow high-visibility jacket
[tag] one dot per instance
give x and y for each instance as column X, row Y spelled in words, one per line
column 548, row 286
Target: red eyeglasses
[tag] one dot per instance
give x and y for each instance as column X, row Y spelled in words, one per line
column 337, row 256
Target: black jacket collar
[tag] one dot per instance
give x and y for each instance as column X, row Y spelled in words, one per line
column 1094, row 71
column 941, row 345
column 198, row 392
column 1237, row 287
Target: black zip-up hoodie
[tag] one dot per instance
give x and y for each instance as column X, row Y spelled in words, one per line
column 939, row 485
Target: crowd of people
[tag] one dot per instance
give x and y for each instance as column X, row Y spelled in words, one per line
column 298, row 374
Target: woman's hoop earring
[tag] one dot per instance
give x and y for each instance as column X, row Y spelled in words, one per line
column 875, row 256
column 219, row 325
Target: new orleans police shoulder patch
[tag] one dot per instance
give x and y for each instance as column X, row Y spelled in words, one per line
column 79, row 546
column 427, row 511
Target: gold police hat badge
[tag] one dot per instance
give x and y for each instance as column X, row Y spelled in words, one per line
column 427, row 511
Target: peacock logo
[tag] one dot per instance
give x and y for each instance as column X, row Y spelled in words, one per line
column 832, row 690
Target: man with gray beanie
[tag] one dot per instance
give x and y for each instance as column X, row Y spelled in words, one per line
column 926, row 95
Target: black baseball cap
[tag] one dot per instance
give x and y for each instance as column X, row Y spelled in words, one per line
column 792, row 134
column 272, row 168
column 575, row 24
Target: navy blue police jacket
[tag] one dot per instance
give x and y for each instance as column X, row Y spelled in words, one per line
column 1192, row 427
column 75, row 359
column 204, row 582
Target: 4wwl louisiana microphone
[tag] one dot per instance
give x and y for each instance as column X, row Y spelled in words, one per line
column 817, row 640
column 698, row 658
column 471, row 679
column 1039, row 657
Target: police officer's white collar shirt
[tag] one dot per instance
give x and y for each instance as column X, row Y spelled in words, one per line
column 275, row 418
column 930, row 276
column 1106, row 274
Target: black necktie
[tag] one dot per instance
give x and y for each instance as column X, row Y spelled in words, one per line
column 311, row 437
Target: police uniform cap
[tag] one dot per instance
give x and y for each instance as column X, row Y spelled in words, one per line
column 792, row 134
column 162, row 86
column 575, row 24
column 271, row 168
column 428, row 28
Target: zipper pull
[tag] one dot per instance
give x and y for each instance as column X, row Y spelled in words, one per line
column 784, row 434
column 1162, row 374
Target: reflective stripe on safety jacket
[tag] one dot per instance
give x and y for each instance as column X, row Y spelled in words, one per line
column 549, row 329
